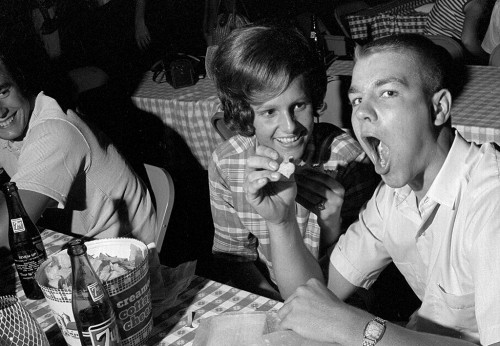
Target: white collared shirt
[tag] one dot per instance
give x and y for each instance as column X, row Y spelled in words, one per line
column 447, row 247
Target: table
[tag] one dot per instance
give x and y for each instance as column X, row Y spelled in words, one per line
column 396, row 17
column 202, row 297
column 475, row 112
column 185, row 110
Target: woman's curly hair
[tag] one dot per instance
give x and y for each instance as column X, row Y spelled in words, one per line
column 256, row 64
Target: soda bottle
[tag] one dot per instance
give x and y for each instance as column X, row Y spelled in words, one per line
column 25, row 242
column 317, row 38
column 94, row 315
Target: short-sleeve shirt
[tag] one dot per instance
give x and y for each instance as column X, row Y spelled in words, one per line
column 62, row 158
column 241, row 234
column 447, row 18
column 447, row 246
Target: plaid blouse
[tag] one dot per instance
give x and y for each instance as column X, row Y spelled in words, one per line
column 241, row 234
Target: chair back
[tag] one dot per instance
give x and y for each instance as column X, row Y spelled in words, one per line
column 456, row 50
column 342, row 8
column 220, row 126
column 163, row 193
column 495, row 56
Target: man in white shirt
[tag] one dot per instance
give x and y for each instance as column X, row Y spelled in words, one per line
column 436, row 213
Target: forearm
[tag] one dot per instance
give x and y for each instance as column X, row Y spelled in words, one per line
column 140, row 11
column 247, row 276
column 293, row 264
column 394, row 334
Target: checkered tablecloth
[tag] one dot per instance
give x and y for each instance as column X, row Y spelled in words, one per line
column 202, row 298
column 382, row 25
column 396, row 17
column 475, row 112
column 186, row 110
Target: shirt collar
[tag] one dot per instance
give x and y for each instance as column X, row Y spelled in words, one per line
column 445, row 187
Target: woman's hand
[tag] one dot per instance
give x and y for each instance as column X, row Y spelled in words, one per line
column 322, row 195
column 270, row 194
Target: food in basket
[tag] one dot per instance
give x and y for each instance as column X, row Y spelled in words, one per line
column 58, row 271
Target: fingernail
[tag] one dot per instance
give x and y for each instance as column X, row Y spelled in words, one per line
column 275, row 175
column 273, row 165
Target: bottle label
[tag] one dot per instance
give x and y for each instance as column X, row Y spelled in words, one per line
column 95, row 291
column 103, row 334
column 17, row 225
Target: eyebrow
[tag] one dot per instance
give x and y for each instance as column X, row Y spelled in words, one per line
column 381, row 82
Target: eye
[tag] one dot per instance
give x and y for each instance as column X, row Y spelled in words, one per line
column 4, row 92
column 267, row 113
column 300, row 106
column 389, row 93
column 355, row 101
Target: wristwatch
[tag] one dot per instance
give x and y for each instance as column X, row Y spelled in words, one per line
column 374, row 331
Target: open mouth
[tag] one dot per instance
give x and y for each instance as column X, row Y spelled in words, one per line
column 380, row 152
column 7, row 122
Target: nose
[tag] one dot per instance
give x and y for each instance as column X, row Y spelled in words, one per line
column 287, row 121
column 365, row 111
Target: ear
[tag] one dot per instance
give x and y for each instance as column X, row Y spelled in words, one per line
column 441, row 106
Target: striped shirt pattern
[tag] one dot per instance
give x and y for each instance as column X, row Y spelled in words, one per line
column 241, row 234
column 447, row 18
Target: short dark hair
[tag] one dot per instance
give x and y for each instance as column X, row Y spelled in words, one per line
column 15, row 74
column 256, row 64
column 434, row 62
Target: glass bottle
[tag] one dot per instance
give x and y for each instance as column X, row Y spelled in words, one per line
column 317, row 38
column 25, row 242
column 94, row 315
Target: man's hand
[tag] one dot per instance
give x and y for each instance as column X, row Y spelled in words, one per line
column 270, row 194
column 314, row 312
column 322, row 195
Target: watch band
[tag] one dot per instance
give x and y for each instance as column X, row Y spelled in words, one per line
column 374, row 331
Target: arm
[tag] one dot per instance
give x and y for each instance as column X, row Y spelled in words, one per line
column 34, row 203
column 233, row 245
column 209, row 18
column 142, row 35
column 475, row 11
column 273, row 197
column 315, row 312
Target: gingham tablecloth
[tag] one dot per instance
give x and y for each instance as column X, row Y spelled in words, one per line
column 396, row 17
column 202, row 298
column 475, row 112
column 186, row 110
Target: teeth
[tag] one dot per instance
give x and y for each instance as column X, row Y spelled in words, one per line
column 7, row 122
column 383, row 153
column 286, row 139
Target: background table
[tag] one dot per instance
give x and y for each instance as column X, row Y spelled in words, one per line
column 475, row 113
column 396, row 17
column 186, row 110
column 202, row 297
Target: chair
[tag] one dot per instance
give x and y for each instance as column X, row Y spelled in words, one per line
column 495, row 56
column 455, row 49
column 163, row 193
column 220, row 126
column 342, row 8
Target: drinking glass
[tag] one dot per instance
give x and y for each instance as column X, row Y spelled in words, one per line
column 17, row 326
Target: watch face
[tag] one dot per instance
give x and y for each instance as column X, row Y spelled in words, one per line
column 374, row 330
